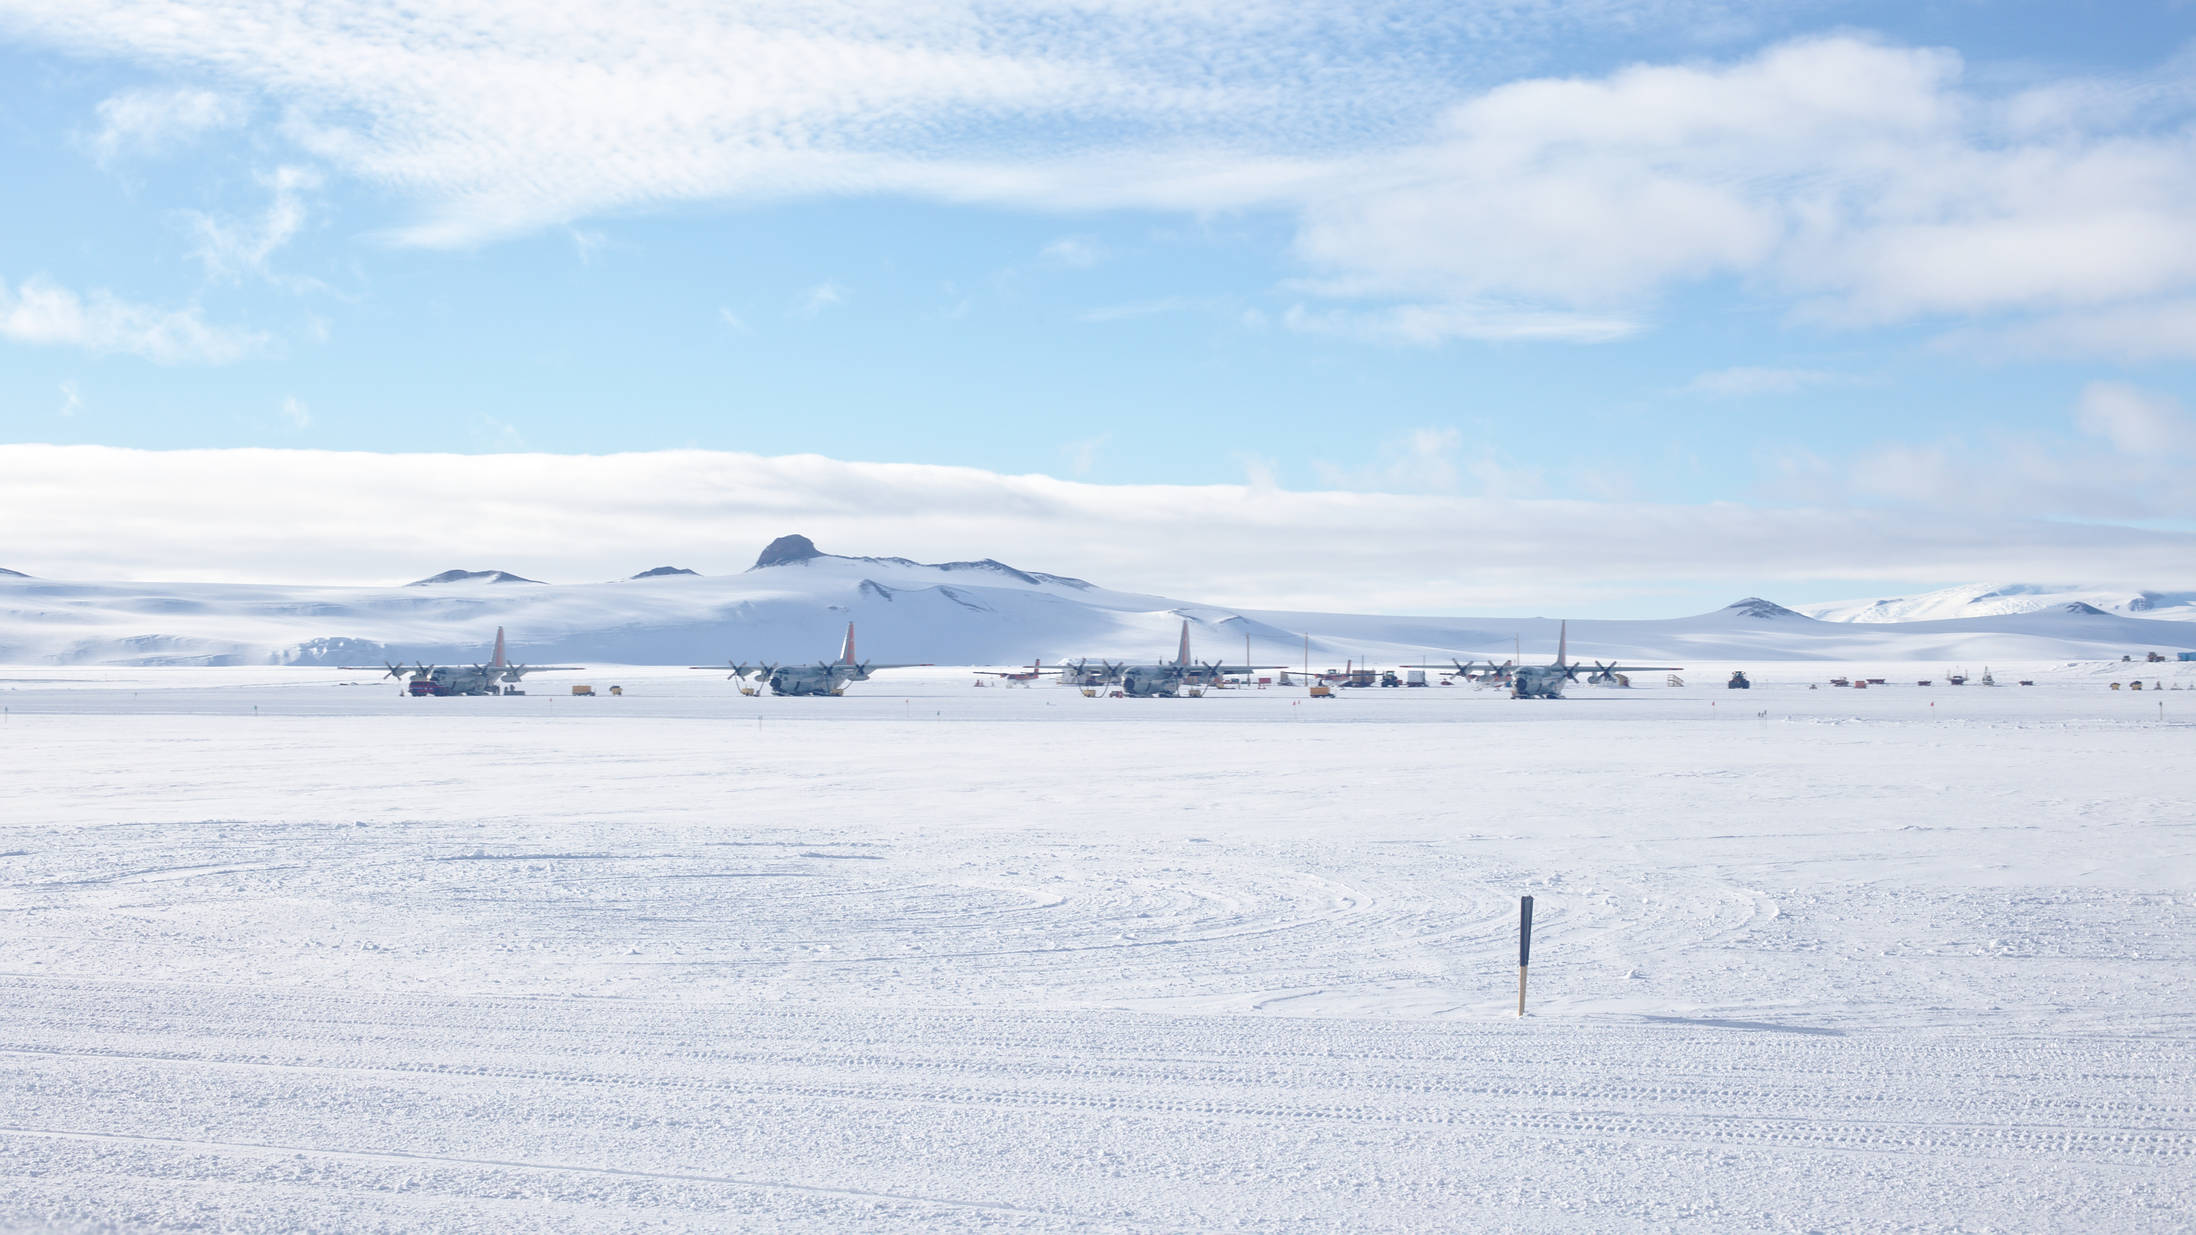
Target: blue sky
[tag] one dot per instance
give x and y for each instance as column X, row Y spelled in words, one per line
column 1934, row 261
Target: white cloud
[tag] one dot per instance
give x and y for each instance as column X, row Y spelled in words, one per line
column 495, row 433
column 2144, row 330
column 72, row 400
column 1073, row 252
column 587, row 242
column 1082, row 453
column 1428, row 325
column 142, row 514
column 1145, row 308
column 2134, row 420
column 1865, row 181
column 732, row 321
column 296, row 413
column 819, row 298
column 1432, row 460
column 1859, row 181
column 229, row 248
column 156, row 122
column 40, row 311
column 1747, row 381
column 2128, row 459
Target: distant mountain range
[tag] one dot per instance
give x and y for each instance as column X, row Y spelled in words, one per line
column 794, row 603
column 1997, row 599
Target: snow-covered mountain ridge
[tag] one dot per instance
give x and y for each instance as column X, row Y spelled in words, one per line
column 794, row 603
column 1970, row 600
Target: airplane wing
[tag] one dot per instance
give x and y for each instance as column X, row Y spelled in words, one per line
column 469, row 664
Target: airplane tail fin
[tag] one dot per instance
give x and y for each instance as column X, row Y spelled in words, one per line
column 1563, row 643
column 1183, row 657
column 499, row 661
column 846, row 653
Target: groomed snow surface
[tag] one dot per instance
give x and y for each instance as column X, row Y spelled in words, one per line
column 281, row 953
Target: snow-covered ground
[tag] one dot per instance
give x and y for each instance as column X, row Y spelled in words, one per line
column 283, row 952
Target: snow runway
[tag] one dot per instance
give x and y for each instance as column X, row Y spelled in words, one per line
column 1048, row 963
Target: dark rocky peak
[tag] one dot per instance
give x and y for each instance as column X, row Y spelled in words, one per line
column 790, row 550
column 2086, row 609
column 471, row 576
column 12, row 574
column 1763, row 610
column 787, row 550
column 660, row 572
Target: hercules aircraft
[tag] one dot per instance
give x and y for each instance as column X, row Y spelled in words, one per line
column 1547, row 681
column 825, row 677
column 1167, row 678
column 497, row 677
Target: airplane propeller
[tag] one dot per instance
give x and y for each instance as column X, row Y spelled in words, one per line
column 395, row 671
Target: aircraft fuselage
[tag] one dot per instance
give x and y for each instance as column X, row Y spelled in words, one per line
column 1151, row 682
column 807, row 681
column 1538, row 682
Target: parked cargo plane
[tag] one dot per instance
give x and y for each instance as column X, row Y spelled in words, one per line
column 825, row 677
column 1168, row 677
column 1547, row 681
column 497, row 677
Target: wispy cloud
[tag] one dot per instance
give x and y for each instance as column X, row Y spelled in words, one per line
column 1073, row 252
column 2127, row 455
column 159, row 122
column 587, row 242
column 1082, row 453
column 1747, row 381
column 40, row 311
column 1428, row 325
column 2136, row 421
column 1857, row 181
column 496, row 433
column 72, row 400
column 230, row 247
column 818, row 298
column 295, row 413
column 1146, row 308
column 2139, row 331
column 1433, row 460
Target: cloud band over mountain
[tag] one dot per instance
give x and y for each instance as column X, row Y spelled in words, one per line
column 88, row 512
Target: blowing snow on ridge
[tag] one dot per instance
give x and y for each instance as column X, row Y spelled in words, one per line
column 796, row 599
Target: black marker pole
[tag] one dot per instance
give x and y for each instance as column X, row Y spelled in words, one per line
column 1524, row 946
